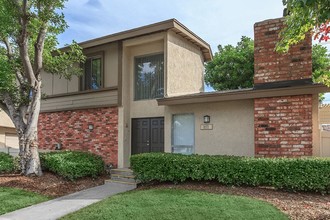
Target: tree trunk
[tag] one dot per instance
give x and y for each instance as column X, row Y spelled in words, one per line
column 29, row 156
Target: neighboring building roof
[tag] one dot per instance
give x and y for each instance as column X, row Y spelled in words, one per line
column 326, row 105
column 240, row 94
column 171, row 24
column 5, row 121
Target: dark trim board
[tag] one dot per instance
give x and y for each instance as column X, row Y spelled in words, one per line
column 242, row 94
column 78, row 108
column 283, row 84
column 114, row 88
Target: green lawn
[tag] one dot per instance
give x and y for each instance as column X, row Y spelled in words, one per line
column 177, row 204
column 12, row 199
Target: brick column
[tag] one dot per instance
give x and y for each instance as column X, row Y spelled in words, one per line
column 283, row 125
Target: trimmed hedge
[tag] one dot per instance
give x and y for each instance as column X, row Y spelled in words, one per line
column 6, row 163
column 72, row 164
column 312, row 174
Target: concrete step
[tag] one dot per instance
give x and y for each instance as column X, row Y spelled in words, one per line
column 122, row 182
column 122, row 171
column 123, row 179
column 123, row 176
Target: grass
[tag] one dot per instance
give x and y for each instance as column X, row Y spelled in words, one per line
column 177, row 204
column 13, row 199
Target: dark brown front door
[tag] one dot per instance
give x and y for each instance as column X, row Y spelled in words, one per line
column 147, row 135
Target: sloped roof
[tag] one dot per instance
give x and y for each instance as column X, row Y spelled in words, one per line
column 171, row 24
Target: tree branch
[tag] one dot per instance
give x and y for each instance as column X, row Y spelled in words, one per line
column 14, row 114
column 33, row 110
column 10, row 55
column 23, row 45
column 9, row 48
column 39, row 47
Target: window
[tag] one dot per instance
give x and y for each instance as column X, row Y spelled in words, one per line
column 93, row 76
column 149, row 77
column 183, row 133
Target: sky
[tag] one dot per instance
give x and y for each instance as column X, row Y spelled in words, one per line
column 215, row 21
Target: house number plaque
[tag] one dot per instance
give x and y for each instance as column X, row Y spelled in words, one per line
column 206, row 126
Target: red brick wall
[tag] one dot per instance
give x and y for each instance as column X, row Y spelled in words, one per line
column 283, row 126
column 269, row 65
column 70, row 128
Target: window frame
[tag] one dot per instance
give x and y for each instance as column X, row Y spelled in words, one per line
column 134, row 74
column 83, row 77
column 194, row 135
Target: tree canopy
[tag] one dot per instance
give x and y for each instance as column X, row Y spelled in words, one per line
column 28, row 42
column 233, row 67
column 305, row 16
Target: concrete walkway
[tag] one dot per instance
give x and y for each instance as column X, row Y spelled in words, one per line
column 61, row 206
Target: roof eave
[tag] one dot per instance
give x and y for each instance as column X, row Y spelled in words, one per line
column 150, row 29
column 243, row 94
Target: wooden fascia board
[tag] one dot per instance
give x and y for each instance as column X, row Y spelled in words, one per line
column 205, row 47
column 241, row 95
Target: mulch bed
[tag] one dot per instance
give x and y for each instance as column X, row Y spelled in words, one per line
column 298, row 206
column 49, row 184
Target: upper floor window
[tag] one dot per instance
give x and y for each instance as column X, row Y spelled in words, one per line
column 149, row 77
column 93, row 76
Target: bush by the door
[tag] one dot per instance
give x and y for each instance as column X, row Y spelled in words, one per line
column 312, row 174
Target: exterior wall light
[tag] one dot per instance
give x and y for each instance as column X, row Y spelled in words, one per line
column 58, row 146
column 91, row 127
column 207, row 119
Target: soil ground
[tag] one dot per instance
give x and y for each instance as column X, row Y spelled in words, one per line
column 298, row 206
column 49, row 184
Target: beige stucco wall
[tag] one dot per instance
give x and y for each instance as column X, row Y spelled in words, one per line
column 53, row 84
column 6, row 128
column 10, row 132
column 233, row 127
column 5, row 120
column 184, row 66
column 146, row 45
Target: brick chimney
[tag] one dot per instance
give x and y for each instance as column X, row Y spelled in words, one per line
column 271, row 66
column 283, row 125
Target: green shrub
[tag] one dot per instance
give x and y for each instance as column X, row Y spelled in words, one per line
column 312, row 174
column 72, row 164
column 6, row 163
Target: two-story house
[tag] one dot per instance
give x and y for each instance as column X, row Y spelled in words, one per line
column 112, row 109
column 142, row 91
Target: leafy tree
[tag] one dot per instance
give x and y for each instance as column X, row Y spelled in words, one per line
column 321, row 65
column 28, row 31
column 232, row 67
column 305, row 16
